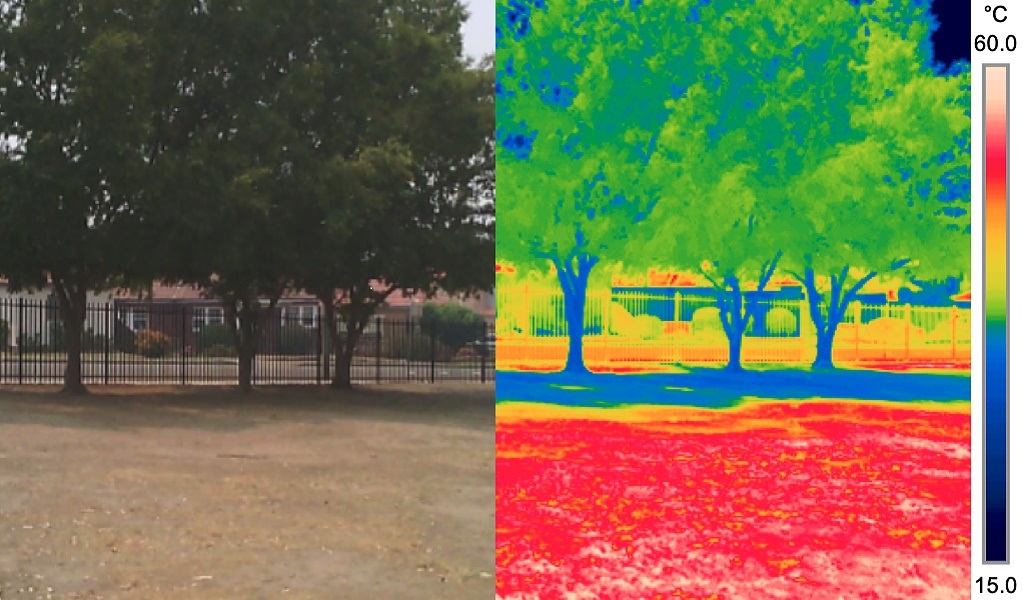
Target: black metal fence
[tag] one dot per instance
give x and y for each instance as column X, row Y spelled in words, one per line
column 139, row 343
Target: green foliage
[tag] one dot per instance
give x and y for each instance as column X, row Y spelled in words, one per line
column 780, row 321
column 220, row 351
column 419, row 348
column 578, row 118
column 706, row 321
column 5, row 333
column 453, row 325
column 296, row 340
column 152, row 344
column 56, row 341
column 214, row 334
column 648, row 327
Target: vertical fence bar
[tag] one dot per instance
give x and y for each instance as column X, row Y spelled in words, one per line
column 433, row 352
column 106, row 344
column 380, row 341
column 184, row 345
column 21, row 341
column 483, row 356
column 909, row 328
column 955, row 319
column 319, row 347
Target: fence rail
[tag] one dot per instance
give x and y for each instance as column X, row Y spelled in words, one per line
column 622, row 328
column 180, row 345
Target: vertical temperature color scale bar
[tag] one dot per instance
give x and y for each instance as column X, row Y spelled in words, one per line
column 996, row 295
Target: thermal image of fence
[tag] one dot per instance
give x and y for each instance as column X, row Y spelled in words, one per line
column 734, row 300
column 629, row 330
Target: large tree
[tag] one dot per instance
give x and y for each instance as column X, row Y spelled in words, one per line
column 280, row 106
column 578, row 123
column 417, row 178
column 800, row 145
column 886, row 192
column 74, row 112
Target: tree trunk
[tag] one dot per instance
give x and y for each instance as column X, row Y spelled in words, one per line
column 343, row 353
column 733, row 320
column 735, row 316
column 826, row 321
column 355, row 324
column 734, row 351
column 574, row 277
column 72, row 303
column 245, row 359
column 574, row 306
column 73, row 369
column 825, row 346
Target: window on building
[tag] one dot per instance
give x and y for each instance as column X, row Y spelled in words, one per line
column 139, row 320
column 207, row 315
column 300, row 315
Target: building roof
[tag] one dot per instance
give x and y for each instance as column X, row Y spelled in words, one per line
column 398, row 299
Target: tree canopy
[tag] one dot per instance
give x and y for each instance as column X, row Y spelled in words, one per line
column 249, row 147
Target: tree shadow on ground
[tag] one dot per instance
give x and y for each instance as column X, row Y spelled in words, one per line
column 466, row 406
column 718, row 388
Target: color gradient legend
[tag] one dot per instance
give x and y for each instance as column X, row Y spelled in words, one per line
column 996, row 296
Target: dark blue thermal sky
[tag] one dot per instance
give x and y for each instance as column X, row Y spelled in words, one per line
column 952, row 39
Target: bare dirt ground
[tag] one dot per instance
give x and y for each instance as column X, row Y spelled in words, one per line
column 386, row 492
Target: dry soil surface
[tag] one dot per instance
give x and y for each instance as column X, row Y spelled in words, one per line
column 386, row 492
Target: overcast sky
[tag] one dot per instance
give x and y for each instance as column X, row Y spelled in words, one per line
column 479, row 30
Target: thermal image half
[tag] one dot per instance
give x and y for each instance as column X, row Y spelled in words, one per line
column 733, row 300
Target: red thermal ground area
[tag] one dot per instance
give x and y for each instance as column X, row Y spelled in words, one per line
column 768, row 500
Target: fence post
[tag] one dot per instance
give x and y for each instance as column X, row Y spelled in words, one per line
column 483, row 356
column 676, row 355
column 326, row 338
column 909, row 326
column 106, row 346
column 857, row 321
column 21, row 341
column 319, row 347
column 380, row 342
column 433, row 351
column 955, row 319
column 528, row 311
column 410, row 351
column 184, row 338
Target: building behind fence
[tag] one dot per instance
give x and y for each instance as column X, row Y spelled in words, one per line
column 653, row 326
column 135, row 343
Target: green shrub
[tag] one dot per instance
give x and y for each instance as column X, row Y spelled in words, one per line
column 419, row 348
column 93, row 341
column 707, row 322
column 152, row 344
column 215, row 334
column 30, row 343
column 780, row 321
column 5, row 333
column 220, row 351
column 296, row 340
column 453, row 324
column 648, row 327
